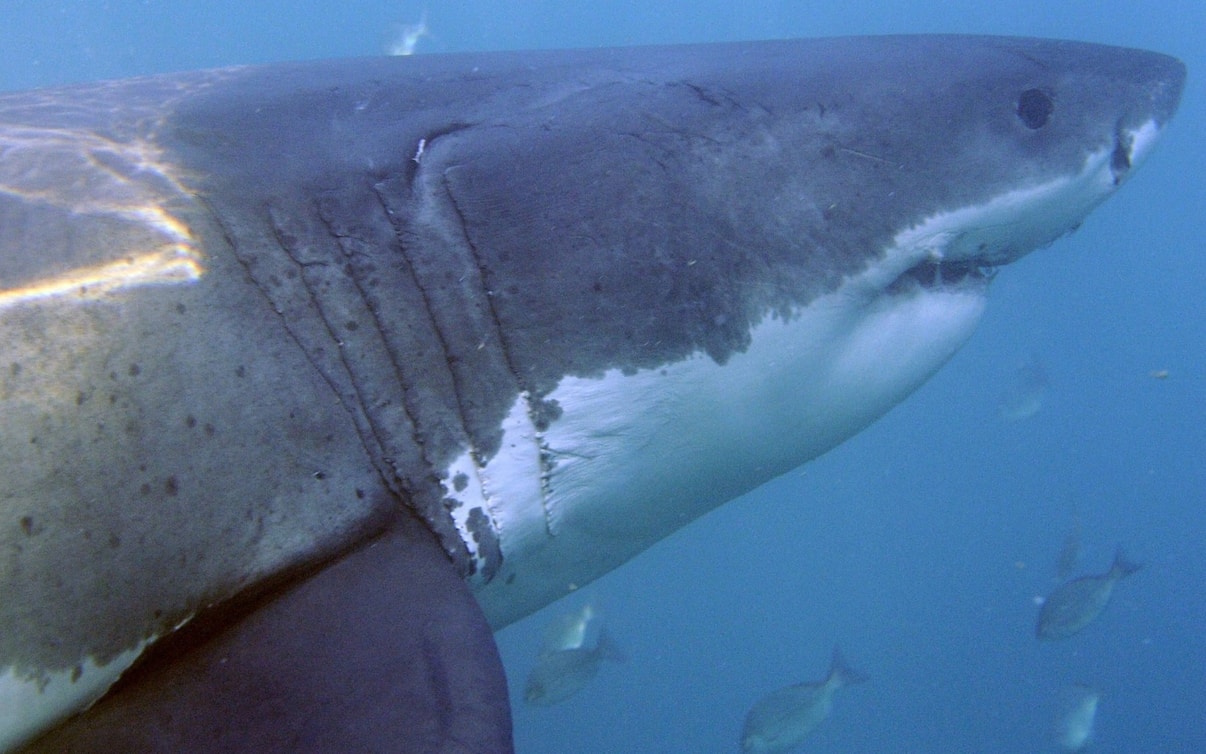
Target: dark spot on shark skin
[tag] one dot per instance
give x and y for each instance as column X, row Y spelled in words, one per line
column 29, row 528
column 135, row 370
column 190, row 421
column 209, row 429
column 460, row 482
column 489, row 551
column 15, row 368
column 76, row 672
column 171, row 486
column 544, row 413
column 241, row 371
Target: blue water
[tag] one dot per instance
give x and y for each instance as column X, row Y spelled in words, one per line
column 920, row 545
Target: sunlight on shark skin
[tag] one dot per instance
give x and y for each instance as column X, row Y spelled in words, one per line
column 170, row 267
column 113, row 174
column 125, row 186
column 127, row 192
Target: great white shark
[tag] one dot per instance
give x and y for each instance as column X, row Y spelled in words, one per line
column 310, row 374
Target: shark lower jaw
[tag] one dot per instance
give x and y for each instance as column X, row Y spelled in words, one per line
column 965, row 246
column 636, row 456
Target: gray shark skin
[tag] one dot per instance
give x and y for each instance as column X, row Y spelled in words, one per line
column 291, row 351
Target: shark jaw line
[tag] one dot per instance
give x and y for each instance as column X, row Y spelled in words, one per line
column 968, row 245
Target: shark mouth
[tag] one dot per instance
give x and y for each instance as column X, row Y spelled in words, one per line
column 963, row 248
column 938, row 274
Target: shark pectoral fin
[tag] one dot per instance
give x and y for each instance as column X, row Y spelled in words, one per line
column 383, row 650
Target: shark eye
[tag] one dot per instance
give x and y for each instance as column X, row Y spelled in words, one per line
column 1034, row 108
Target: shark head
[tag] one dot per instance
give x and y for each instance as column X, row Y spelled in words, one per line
column 792, row 239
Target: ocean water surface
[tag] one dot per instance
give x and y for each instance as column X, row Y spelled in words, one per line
column 922, row 545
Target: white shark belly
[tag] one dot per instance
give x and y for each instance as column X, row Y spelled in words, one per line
column 636, row 456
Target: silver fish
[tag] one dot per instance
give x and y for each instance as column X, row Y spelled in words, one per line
column 566, row 662
column 1078, row 709
column 782, row 719
column 1023, row 397
column 1077, row 603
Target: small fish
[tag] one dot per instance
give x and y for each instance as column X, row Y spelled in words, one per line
column 1078, row 709
column 407, row 38
column 1023, row 397
column 569, row 631
column 566, row 663
column 1077, row 603
column 782, row 719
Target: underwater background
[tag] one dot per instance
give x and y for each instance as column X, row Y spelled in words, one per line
column 1075, row 416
